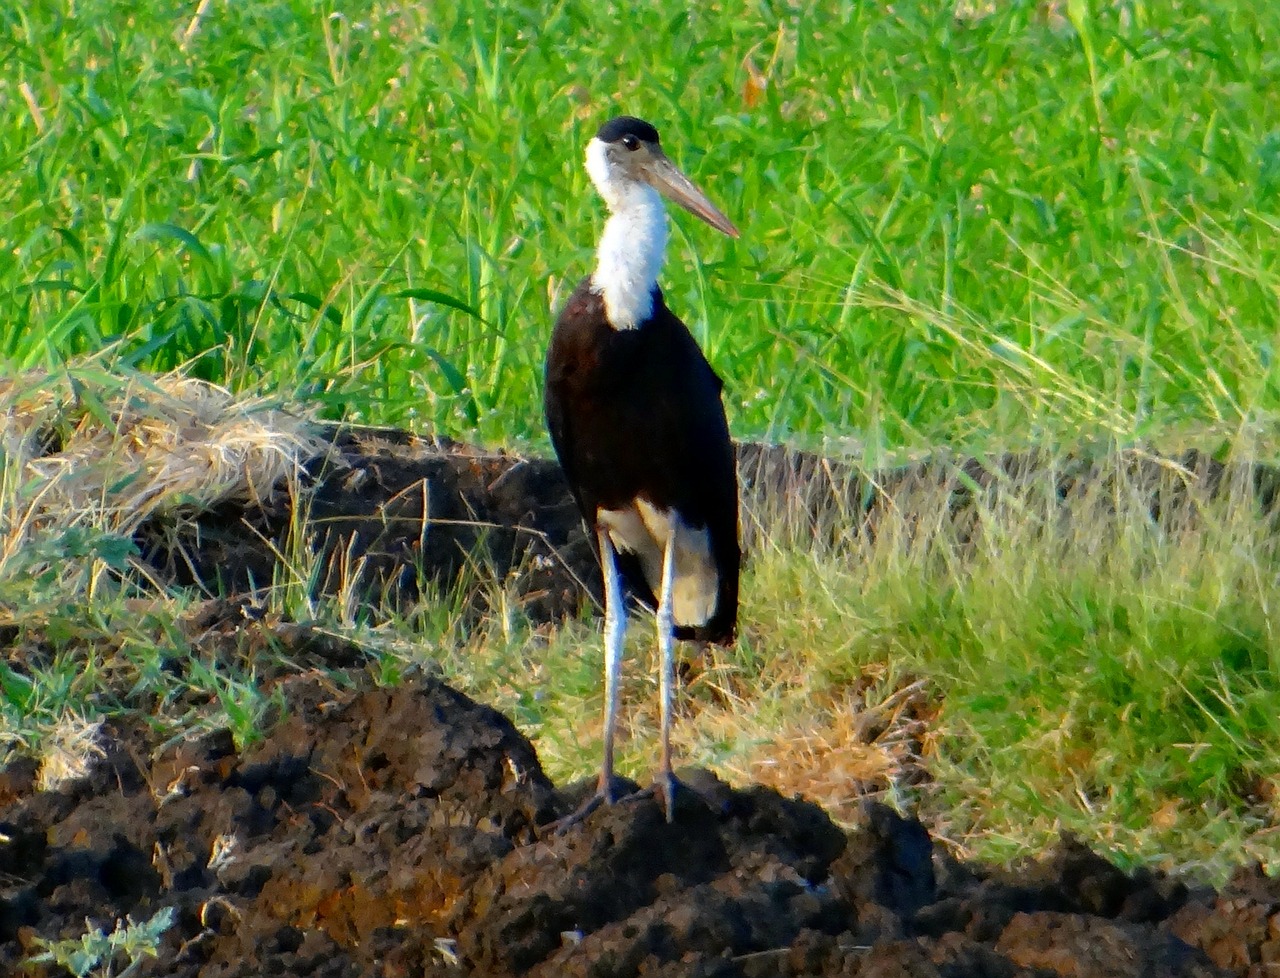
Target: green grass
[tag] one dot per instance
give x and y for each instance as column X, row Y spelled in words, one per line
column 1047, row 224
column 1040, row 223
column 1075, row 665
column 1097, row 669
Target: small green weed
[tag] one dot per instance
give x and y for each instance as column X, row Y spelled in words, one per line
column 95, row 952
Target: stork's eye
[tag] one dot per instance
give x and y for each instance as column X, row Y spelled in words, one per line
column 631, row 143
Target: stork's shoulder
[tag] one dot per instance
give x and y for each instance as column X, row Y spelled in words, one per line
column 583, row 310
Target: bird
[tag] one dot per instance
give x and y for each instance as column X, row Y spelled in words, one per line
column 637, row 421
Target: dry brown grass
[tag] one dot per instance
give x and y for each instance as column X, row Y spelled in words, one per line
column 845, row 751
column 89, row 449
column 67, row 750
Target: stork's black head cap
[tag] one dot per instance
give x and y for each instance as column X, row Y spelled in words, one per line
column 627, row 125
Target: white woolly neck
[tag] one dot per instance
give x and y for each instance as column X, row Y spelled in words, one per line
column 633, row 245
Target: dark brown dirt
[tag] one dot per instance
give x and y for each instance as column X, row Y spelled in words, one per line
column 399, row 832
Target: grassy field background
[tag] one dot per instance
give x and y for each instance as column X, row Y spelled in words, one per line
column 983, row 226
column 960, row 224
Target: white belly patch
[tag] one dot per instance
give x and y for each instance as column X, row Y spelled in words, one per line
column 643, row 529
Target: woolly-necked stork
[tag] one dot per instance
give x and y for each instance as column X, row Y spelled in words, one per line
column 638, row 424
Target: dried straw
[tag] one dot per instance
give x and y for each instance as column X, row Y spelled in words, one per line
column 115, row 452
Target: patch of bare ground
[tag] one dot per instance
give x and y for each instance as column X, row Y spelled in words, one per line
column 401, row 831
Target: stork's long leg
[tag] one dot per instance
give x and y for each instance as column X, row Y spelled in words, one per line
column 615, row 629
column 666, row 679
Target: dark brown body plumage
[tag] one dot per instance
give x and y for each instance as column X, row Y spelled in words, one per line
column 637, row 413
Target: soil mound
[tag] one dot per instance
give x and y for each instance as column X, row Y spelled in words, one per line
column 401, row 831
column 385, row 511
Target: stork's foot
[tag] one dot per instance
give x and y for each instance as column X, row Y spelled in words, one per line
column 606, row 793
column 666, row 788
column 562, row 825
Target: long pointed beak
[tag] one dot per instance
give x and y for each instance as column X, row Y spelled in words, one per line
column 665, row 177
